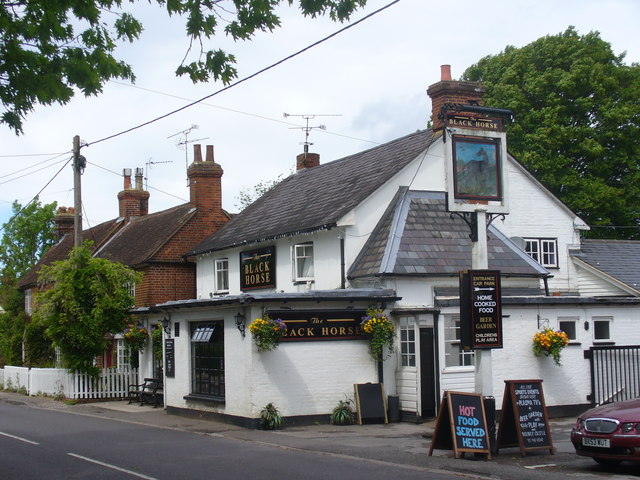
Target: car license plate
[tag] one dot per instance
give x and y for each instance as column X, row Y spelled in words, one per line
column 596, row 442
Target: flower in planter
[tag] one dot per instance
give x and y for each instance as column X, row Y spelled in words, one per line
column 550, row 343
column 267, row 332
column 381, row 332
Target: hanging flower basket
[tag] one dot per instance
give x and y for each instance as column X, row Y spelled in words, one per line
column 267, row 332
column 550, row 343
column 377, row 326
column 135, row 338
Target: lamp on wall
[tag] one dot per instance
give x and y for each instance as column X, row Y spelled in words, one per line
column 166, row 322
column 240, row 319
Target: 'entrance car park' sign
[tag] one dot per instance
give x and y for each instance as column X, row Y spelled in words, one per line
column 480, row 309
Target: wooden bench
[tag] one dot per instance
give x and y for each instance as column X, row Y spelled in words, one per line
column 150, row 391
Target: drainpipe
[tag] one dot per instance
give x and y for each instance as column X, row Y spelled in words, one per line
column 343, row 280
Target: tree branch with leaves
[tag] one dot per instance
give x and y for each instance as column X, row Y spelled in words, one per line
column 49, row 49
column 84, row 300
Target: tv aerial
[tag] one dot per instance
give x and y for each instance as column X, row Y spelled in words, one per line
column 147, row 166
column 183, row 140
column 307, row 128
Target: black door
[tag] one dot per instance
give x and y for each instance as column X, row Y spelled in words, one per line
column 428, row 395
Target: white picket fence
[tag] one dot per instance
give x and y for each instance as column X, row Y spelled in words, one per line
column 111, row 383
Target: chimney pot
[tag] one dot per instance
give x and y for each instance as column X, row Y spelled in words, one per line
column 197, row 153
column 139, row 176
column 209, row 157
column 126, row 173
column 445, row 73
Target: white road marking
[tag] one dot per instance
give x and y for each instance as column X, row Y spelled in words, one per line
column 19, row 438
column 113, row 467
column 532, row 467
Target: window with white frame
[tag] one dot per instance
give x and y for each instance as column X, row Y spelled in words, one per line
column 28, row 299
column 568, row 326
column 407, row 342
column 303, row 262
column 122, row 354
column 222, row 275
column 131, row 288
column 454, row 354
column 543, row 250
column 602, row 329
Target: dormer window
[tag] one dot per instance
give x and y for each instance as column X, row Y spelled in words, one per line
column 303, row 262
column 543, row 250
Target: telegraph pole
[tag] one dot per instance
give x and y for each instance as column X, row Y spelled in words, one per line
column 79, row 162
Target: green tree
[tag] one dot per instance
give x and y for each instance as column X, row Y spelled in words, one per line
column 248, row 195
column 27, row 237
column 25, row 240
column 577, row 111
column 49, row 48
column 88, row 298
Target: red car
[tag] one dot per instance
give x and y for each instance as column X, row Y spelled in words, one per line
column 609, row 433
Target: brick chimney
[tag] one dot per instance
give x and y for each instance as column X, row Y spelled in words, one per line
column 205, row 181
column 133, row 201
column 307, row 160
column 449, row 91
column 64, row 222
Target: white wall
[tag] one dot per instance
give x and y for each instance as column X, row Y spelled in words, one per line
column 565, row 385
column 534, row 213
column 300, row 378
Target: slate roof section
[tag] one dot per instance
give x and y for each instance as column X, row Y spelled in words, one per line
column 618, row 259
column 419, row 237
column 316, row 198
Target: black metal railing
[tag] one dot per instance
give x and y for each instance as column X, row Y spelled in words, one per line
column 615, row 373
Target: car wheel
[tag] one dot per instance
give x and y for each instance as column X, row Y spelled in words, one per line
column 607, row 462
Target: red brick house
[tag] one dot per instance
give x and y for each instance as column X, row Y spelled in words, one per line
column 151, row 243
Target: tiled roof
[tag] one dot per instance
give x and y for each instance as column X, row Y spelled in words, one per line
column 132, row 243
column 316, row 198
column 619, row 259
column 417, row 236
column 60, row 250
column 140, row 238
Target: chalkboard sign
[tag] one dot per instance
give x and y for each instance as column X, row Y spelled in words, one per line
column 461, row 425
column 169, row 358
column 370, row 403
column 523, row 419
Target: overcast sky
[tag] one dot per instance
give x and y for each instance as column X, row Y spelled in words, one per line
column 369, row 81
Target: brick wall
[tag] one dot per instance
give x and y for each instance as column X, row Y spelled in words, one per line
column 452, row 92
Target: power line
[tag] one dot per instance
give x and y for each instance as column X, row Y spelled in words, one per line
column 36, row 196
column 151, row 188
column 32, row 166
column 259, row 72
column 241, row 112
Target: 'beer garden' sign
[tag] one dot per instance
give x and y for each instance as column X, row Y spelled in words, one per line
column 480, row 309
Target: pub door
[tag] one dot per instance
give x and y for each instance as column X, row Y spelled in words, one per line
column 428, row 395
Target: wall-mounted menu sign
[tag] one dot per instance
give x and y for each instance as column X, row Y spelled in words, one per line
column 461, row 425
column 523, row 419
column 258, row 269
column 480, row 309
column 304, row 325
column 169, row 358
